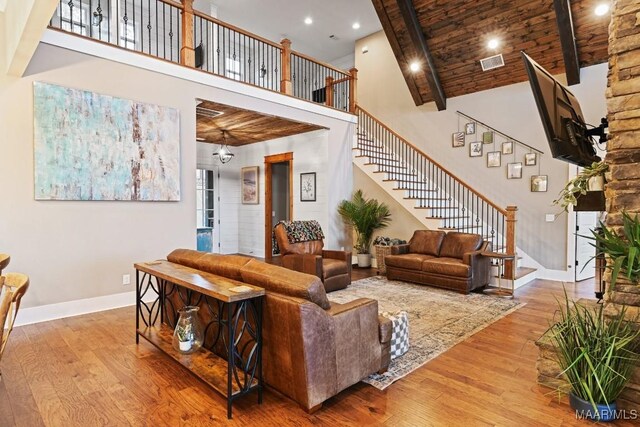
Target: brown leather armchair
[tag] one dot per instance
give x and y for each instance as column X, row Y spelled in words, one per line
column 332, row 267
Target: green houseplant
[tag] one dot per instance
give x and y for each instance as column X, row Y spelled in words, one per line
column 597, row 355
column 589, row 179
column 623, row 249
column 365, row 216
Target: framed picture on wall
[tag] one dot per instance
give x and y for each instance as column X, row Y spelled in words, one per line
column 514, row 170
column 539, row 183
column 507, row 147
column 457, row 139
column 249, row 176
column 308, row 187
column 530, row 159
column 487, row 137
column 470, row 128
column 475, row 149
column 493, row 159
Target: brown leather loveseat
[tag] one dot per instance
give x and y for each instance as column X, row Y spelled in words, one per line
column 312, row 348
column 447, row 260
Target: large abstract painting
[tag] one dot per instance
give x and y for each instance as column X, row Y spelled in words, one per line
column 96, row 147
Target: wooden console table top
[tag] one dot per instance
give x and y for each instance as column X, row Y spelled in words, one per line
column 209, row 284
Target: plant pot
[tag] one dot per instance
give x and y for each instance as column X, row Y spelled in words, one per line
column 596, row 183
column 364, row 260
column 585, row 410
column 185, row 346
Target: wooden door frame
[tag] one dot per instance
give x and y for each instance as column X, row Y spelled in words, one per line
column 268, row 196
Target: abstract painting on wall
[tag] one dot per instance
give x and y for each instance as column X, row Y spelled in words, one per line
column 97, row 147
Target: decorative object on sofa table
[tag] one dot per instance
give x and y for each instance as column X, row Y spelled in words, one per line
column 475, row 149
column 365, row 216
column 308, row 187
column 383, row 248
column 250, row 187
column 457, row 139
column 597, row 354
column 493, row 159
column 399, row 334
column 590, row 178
column 187, row 336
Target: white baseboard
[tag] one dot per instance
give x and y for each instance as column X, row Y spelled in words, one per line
column 556, row 275
column 44, row 313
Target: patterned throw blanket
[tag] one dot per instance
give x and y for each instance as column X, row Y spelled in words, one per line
column 299, row 231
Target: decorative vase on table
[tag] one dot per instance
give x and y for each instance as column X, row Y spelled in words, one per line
column 187, row 336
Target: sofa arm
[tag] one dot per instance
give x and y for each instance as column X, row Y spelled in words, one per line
column 400, row 249
column 480, row 266
column 304, row 263
column 357, row 338
column 341, row 255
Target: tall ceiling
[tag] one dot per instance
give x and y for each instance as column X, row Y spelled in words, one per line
column 277, row 19
column 456, row 33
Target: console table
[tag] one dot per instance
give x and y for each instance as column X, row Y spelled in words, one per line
column 232, row 324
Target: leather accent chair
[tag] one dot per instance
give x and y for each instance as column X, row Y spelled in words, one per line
column 332, row 267
column 447, row 260
column 312, row 348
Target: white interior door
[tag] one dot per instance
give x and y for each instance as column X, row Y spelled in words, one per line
column 585, row 264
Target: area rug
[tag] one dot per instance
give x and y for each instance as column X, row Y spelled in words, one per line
column 438, row 319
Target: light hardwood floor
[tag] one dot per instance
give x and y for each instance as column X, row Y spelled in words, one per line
column 87, row 370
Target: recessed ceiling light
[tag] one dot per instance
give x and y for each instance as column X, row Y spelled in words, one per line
column 415, row 66
column 493, row 43
column 356, row 26
column 602, row 9
column 308, row 20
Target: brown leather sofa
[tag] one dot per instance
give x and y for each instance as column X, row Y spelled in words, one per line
column 447, row 260
column 332, row 267
column 312, row 348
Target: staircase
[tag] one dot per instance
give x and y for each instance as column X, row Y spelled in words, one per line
column 430, row 192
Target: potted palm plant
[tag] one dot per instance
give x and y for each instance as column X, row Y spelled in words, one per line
column 365, row 216
column 597, row 355
column 591, row 178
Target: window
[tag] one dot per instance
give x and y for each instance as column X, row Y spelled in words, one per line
column 205, row 200
column 232, row 67
column 127, row 35
column 75, row 19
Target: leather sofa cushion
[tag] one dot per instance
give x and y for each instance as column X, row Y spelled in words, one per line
column 333, row 267
column 426, row 242
column 455, row 244
column 447, row 267
column 186, row 257
column 223, row 265
column 311, row 247
column 409, row 261
column 285, row 282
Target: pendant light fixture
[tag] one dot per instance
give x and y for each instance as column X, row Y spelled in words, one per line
column 224, row 154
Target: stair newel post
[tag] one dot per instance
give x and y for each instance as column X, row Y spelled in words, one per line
column 353, row 89
column 329, row 91
column 511, row 240
column 187, row 52
column 285, row 84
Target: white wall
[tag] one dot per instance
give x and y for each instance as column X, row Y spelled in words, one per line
column 76, row 250
column 511, row 109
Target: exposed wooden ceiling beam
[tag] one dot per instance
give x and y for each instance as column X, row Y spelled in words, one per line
column 567, row 40
column 397, row 51
column 419, row 41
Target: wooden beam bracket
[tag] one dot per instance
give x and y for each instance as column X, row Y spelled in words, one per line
column 567, row 40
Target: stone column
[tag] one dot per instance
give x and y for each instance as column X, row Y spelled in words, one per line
column 623, row 152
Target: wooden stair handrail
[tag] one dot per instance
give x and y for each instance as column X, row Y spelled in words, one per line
column 464, row 184
column 324, row 64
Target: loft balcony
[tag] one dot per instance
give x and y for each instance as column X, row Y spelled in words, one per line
column 173, row 31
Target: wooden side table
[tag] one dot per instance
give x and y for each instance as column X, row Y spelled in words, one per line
column 230, row 360
column 501, row 258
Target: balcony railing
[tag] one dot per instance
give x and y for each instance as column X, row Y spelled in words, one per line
column 173, row 31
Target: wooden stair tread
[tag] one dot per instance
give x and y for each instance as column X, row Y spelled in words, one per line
column 447, row 217
column 460, row 228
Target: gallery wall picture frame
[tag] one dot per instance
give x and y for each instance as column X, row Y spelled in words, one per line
column 457, row 139
column 487, row 137
column 539, row 183
column 514, row 170
column 250, row 183
column 475, row 149
column 470, row 128
column 308, row 187
column 494, row 159
column 507, row 147
column 530, row 159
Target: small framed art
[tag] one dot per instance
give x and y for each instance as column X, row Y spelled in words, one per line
column 475, row 149
column 514, row 170
column 487, row 137
column 250, row 185
column 507, row 147
column 308, row 187
column 530, row 159
column 493, row 159
column 470, row 128
column 457, row 139
column 539, row 183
